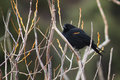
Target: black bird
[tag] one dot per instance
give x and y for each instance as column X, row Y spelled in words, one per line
column 78, row 38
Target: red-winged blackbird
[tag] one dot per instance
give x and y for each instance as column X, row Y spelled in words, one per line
column 78, row 38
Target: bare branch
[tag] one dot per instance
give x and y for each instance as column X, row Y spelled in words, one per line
column 29, row 15
column 59, row 33
column 110, row 61
column 87, row 51
column 16, row 74
column 100, row 73
column 46, row 68
column 62, row 59
column 113, row 76
column 98, row 66
column 107, row 40
column 53, row 21
column 79, row 19
column 6, row 33
column 38, row 56
column 116, row 1
column 58, row 3
column 104, row 19
column 75, row 52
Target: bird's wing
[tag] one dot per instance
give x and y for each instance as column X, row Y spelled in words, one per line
column 80, row 35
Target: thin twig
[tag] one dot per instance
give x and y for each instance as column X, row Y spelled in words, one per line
column 104, row 19
column 110, row 61
column 76, row 53
column 70, row 67
column 16, row 74
column 100, row 73
column 60, row 34
column 79, row 18
column 6, row 32
column 58, row 3
column 53, row 21
column 87, row 51
column 19, row 19
column 51, row 43
column 12, row 69
column 98, row 66
column 113, row 76
column 65, row 75
column 80, row 71
column 7, row 27
column 62, row 59
column 38, row 56
column 29, row 15
column 107, row 40
column 116, row 1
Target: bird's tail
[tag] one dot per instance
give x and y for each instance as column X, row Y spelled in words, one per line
column 97, row 50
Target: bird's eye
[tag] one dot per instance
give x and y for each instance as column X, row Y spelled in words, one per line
column 76, row 33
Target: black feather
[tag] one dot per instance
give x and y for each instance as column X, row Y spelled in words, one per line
column 78, row 38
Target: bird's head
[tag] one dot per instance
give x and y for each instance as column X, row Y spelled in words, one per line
column 68, row 27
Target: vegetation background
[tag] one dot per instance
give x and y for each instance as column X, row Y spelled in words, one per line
column 70, row 12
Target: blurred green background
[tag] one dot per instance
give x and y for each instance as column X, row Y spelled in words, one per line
column 70, row 12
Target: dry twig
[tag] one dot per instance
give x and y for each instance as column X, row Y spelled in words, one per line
column 116, row 1
column 110, row 61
